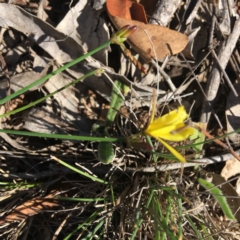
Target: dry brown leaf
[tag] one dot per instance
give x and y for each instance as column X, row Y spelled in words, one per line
column 29, row 208
column 233, row 114
column 231, row 168
column 164, row 40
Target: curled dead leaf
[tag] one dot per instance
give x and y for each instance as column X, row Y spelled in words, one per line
column 231, row 168
column 148, row 36
column 30, row 208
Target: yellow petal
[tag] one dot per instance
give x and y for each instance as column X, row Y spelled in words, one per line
column 166, row 130
column 173, row 151
column 173, row 118
column 181, row 136
column 175, row 133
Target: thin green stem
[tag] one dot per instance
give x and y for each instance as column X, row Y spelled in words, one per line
column 62, row 136
column 84, row 224
column 85, row 174
column 141, row 220
column 179, row 203
column 192, row 224
column 151, row 144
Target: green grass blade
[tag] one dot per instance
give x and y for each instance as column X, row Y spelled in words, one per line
column 154, row 154
column 168, row 231
column 84, row 224
column 218, row 195
column 141, row 220
column 87, row 175
column 112, row 194
column 157, row 214
column 168, row 213
column 62, row 136
column 18, row 185
column 91, row 234
column 119, row 90
column 168, row 210
column 179, row 204
column 197, row 137
column 192, row 224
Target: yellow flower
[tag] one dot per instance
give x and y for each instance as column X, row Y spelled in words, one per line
column 171, row 127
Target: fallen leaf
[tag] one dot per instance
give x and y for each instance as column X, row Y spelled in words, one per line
column 44, row 120
column 231, row 168
column 233, row 114
column 87, row 28
column 24, row 79
column 147, row 36
column 30, row 208
column 51, row 41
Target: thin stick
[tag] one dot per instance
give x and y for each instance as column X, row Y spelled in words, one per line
column 224, row 73
column 219, row 142
column 178, row 165
column 214, row 78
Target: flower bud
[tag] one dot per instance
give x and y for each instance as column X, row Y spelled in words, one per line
column 121, row 35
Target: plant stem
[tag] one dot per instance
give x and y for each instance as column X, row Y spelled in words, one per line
column 63, row 136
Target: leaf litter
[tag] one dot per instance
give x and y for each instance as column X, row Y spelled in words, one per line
column 81, row 29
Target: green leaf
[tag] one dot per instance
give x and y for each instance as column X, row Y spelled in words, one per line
column 105, row 149
column 218, row 195
column 119, row 90
column 197, row 137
